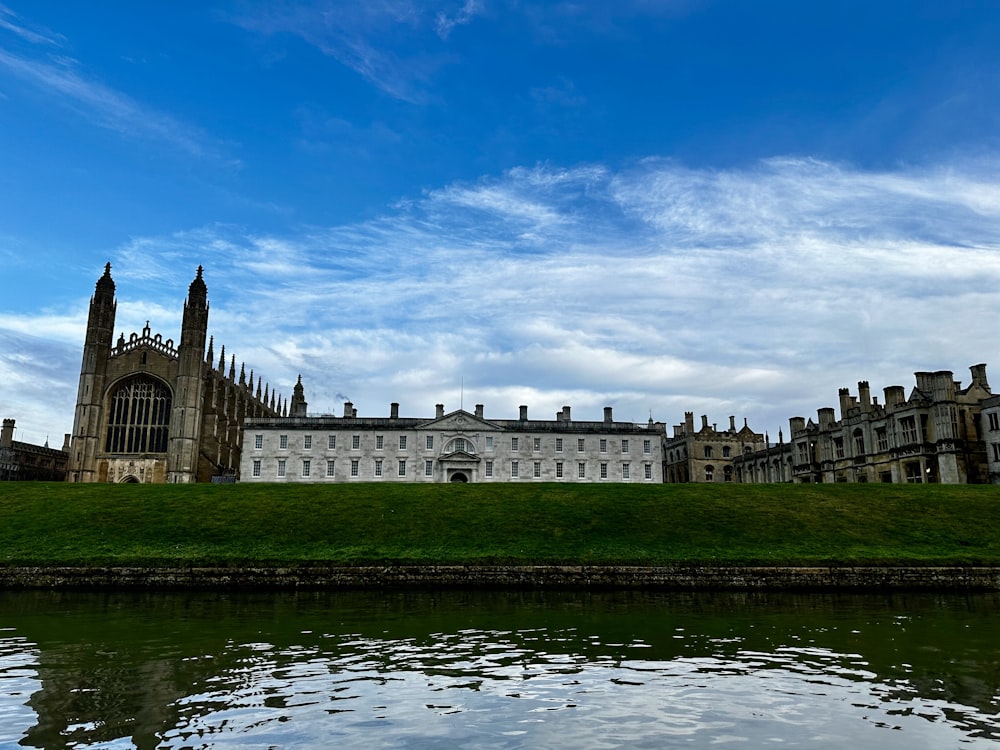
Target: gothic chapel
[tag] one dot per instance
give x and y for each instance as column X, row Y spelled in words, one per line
column 147, row 411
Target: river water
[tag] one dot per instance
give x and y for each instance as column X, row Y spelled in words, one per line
column 498, row 669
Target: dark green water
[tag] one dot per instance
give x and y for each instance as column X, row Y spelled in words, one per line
column 498, row 670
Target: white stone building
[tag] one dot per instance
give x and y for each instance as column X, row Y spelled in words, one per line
column 456, row 447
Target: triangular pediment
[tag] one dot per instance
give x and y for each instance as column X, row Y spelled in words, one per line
column 459, row 421
column 461, row 456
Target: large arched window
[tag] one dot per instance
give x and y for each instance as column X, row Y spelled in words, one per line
column 460, row 444
column 138, row 417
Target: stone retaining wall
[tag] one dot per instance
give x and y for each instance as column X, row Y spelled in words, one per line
column 541, row 576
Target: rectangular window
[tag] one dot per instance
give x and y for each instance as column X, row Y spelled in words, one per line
column 909, row 428
column 625, row 471
column 307, row 442
column 537, row 469
column 581, row 470
column 580, row 445
column 838, row 447
column 378, row 467
column 306, row 467
column 489, row 442
column 559, row 470
column 379, row 442
column 256, row 467
column 514, row 469
column 604, row 471
column 329, row 468
column 283, row 442
column 402, row 467
column 281, row 467
column 624, row 446
column 536, row 445
column 647, row 446
column 996, row 454
column 258, row 441
column 402, row 442
column 428, row 468
column 604, row 445
column 994, row 421
column 648, row 470
column 354, row 467
column 355, row 442
column 513, row 444
column 559, row 445
column 489, row 468
column 331, row 442
column 882, row 438
column 430, row 443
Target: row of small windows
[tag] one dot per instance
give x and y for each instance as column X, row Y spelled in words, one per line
column 379, row 468
column 458, row 444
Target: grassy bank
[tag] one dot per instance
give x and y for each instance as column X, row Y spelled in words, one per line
column 63, row 524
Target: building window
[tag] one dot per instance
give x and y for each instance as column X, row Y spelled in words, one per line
column 559, row 445
column 581, row 470
column 882, row 438
column 580, row 445
column 604, row 445
column 909, row 427
column 461, row 444
column 402, row 442
column 306, row 467
column 379, row 442
column 996, row 453
column 838, row 447
column 258, row 441
column 354, row 467
column 307, row 442
column 994, row 420
column 913, row 471
column 514, row 469
column 647, row 446
column 402, row 467
column 329, row 468
column 513, row 444
column 256, row 466
column 489, row 468
column 283, row 442
column 604, row 471
column 536, row 444
column 378, row 467
column 624, row 446
column 331, row 442
column 428, row 468
column 709, row 473
column 489, row 442
column 281, row 467
column 355, row 442
column 648, row 470
column 537, row 469
column 727, row 473
column 429, row 444
column 859, row 442
column 625, row 471
column 708, row 451
column 559, row 470
column 139, row 417
column 727, row 452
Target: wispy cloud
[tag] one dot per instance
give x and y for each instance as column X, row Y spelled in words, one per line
column 445, row 22
column 658, row 288
column 28, row 31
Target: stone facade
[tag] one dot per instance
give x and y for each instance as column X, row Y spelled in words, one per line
column 706, row 454
column 456, row 447
column 933, row 435
column 29, row 462
column 150, row 411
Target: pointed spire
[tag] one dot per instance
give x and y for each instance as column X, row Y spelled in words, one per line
column 284, row 409
column 232, row 369
column 250, row 382
column 106, row 283
column 267, row 388
column 198, row 292
column 272, row 400
column 222, row 360
column 243, row 373
column 210, row 356
column 259, row 380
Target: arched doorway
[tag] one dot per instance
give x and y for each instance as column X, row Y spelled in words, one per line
column 130, row 479
column 459, row 476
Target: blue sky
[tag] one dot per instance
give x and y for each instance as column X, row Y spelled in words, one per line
column 662, row 206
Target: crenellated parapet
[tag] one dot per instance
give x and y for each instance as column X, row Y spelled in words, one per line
column 146, row 340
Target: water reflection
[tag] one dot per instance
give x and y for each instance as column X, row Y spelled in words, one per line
column 496, row 670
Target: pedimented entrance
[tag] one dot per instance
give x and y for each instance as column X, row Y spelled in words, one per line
column 458, row 476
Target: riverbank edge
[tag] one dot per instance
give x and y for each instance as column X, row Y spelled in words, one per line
column 678, row 577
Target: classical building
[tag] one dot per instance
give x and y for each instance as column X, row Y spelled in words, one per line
column 455, row 447
column 706, row 454
column 933, row 434
column 148, row 410
column 26, row 461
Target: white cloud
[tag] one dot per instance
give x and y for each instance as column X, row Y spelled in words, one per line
column 657, row 288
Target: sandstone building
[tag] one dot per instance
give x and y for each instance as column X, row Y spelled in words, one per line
column 148, row 410
column 449, row 447
column 706, row 454
column 26, row 461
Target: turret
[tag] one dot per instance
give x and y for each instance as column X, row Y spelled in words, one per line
column 299, row 400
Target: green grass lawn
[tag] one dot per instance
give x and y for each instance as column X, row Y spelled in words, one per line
column 355, row 524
